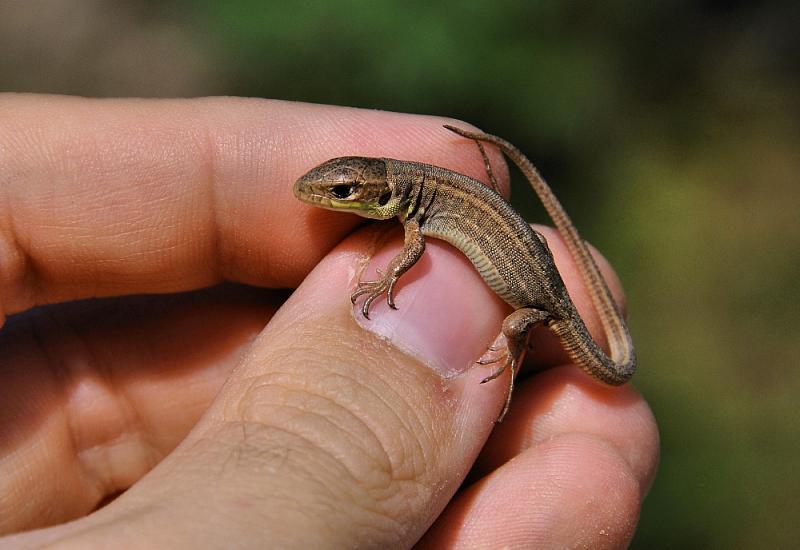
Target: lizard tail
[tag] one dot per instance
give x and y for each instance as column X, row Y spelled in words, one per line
column 620, row 366
column 590, row 357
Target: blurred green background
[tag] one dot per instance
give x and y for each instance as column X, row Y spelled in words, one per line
column 670, row 129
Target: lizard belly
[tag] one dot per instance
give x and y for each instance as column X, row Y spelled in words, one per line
column 487, row 269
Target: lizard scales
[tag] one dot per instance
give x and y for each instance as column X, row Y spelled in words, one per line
column 510, row 256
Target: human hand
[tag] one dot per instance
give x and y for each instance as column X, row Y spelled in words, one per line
column 324, row 434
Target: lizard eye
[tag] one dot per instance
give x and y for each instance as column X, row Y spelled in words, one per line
column 342, row 191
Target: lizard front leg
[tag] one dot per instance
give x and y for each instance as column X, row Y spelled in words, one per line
column 413, row 248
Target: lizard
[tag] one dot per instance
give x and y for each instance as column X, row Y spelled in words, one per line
column 512, row 258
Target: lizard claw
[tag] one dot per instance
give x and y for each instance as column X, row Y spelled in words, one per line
column 496, row 359
column 496, row 373
column 390, row 293
column 507, row 361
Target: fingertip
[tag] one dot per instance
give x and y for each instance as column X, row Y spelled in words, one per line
column 571, row 491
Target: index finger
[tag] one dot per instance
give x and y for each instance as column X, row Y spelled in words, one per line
column 111, row 197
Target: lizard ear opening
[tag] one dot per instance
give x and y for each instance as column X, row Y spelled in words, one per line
column 384, row 199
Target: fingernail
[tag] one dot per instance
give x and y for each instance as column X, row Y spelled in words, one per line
column 446, row 315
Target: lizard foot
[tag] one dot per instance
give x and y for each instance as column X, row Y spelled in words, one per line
column 492, row 356
column 491, row 360
column 507, row 362
column 373, row 290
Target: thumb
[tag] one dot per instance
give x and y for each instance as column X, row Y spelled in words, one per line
column 333, row 430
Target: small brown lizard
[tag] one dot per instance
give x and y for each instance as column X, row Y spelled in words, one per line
column 512, row 258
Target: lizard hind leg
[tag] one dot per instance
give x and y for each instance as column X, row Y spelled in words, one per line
column 476, row 137
column 488, row 166
column 515, row 329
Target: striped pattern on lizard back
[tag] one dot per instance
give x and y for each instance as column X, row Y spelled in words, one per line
column 499, row 243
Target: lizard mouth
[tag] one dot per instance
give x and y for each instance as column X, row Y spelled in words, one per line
column 324, row 201
column 310, row 193
column 311, row 198
column 306, row 193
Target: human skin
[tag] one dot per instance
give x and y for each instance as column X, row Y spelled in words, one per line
column 235, row 415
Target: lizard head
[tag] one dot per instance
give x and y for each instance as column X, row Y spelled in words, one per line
column 355, row 184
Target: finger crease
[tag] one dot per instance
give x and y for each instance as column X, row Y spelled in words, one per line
column 19, row 275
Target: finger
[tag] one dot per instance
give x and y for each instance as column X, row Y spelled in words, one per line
column 436, row 308
column 110, row 197
column 564, row 401
column 327, row 431
column 328, row 434
column 570, row 492
column 93, row 394
column 568, row 468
